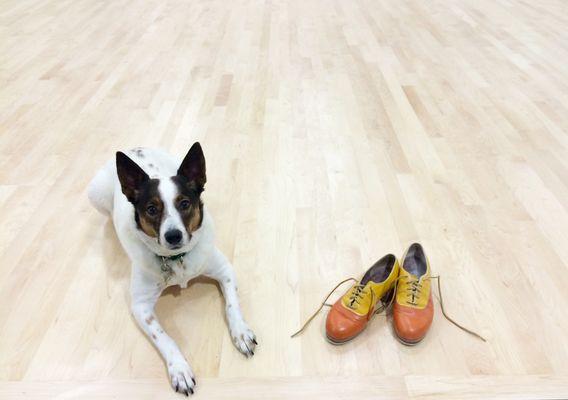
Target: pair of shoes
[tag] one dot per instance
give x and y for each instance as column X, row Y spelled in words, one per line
column 408, row 285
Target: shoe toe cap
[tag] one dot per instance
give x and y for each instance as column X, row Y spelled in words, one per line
column 341, row 327
column 412, row 326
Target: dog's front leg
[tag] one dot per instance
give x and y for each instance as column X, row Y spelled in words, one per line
column 145, row 294
column 220, row 269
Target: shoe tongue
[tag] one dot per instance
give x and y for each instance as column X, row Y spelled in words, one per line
column 413, row 278
column 380, row 270
column 357, row 289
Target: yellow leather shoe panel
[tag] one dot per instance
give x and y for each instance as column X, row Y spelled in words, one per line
column 363, row 299
column 413, row 291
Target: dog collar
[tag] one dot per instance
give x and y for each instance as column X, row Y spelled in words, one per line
column 176, row 257
column 167, row 268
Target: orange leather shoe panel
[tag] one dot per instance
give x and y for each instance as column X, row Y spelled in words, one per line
column 411, row 324
column 351, row 313
column 343, row 324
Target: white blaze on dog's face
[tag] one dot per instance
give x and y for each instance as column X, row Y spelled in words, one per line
column 167, row 210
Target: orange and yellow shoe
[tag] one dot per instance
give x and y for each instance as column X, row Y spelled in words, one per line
column 350, row 314
column 413, row 309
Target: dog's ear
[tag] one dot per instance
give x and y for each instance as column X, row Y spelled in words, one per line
column 192, row 167
column 130, row 175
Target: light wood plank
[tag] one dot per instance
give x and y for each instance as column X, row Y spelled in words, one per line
column 335, row 132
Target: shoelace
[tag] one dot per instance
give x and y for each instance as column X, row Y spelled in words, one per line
column 321, row 306
column 413, row 291
column 357, row 293
column 388, row 304
column 370, row 313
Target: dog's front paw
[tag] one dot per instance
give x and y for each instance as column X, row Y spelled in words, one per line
column 181, row 377
column 244, row 338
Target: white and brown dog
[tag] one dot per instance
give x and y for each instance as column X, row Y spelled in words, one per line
column 156, row 207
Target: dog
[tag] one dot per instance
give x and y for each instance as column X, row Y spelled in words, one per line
column 159, row 217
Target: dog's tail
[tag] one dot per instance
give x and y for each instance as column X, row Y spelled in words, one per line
column 101, row 189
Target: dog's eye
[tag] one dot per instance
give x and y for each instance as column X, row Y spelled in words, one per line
column 184, row 204
column 152, row 210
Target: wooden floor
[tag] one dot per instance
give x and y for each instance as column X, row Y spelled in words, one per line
column 335, row 132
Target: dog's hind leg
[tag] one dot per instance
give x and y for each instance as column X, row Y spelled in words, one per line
column 220, row 269
column 101, row 189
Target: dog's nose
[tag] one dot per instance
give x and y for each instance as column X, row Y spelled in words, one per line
column 173, row 236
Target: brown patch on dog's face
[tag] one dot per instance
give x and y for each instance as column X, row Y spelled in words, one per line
column 190, row 181
column 188, row 204
column 147, row 226
column 149, row 209
column 193, row 222
column 142, row 192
